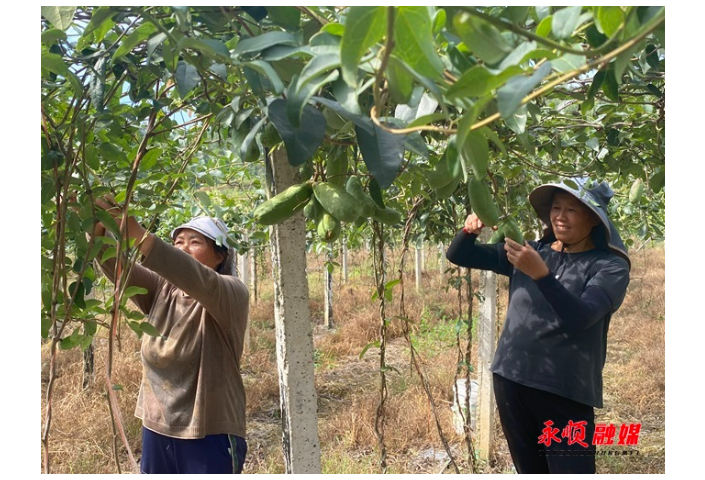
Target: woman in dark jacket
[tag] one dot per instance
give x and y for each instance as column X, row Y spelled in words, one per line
column 563, row 290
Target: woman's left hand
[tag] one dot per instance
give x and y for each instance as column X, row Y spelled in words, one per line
column 526, row 259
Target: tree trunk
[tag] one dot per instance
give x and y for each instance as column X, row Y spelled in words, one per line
column 441, row 260
column 328, row 294
column 89, row 352
column 344, row 260
column 88, row 366
column 417, row 265
column 423, row 257
column 297, row 393
column 253, row 275
column 243, row 270
column 486, row 345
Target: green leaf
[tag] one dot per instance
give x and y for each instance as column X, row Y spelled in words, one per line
column 260, row 42
column 542, row 12
column 359, row 120
column 249, row 151
column 413, row 37
column 568, row 62
column 266, row 69
column 596, row 84
column 98, row 19
column 112, row 153
column 414, row 142
column 622, row 62
column 610, row 86
column 382, row 153
column 654, row 90
column 77, row 291
column 109, row 253
column 427, row 119
column 52, row 35
column 594, row 37
column 60, row 17
column 475, row 151
column 287, row 17
column 447, row 169
column 400, row 83
column 587, row 105
column 658, row 181
column 492, row 136
column 523, row 52
column 323, row 43
column 202, row 198
column 376, row 193
column 565, row 21
column 150, row 158
column 280, row 52
column 469, row 118
column 509, row 97
column 299, row 96
column 134, row 290
column 186, row 78
column 346, row 96
column 257, row 13
column 516, row 14
column 318, row 66
column 407, row 114
column 333, row 28
column 427, row 83
column 212, row 48
column 371, row 344
column 139, row 35
column 54, row 63
column 609, row 19
column 301, row 143
column 364, row 27
column 149, row 329
column 545, row 27
column 482, row 38
column 517, row 121
column 254, row 80
column 479, row 81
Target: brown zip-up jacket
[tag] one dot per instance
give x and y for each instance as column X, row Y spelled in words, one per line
column 191, row 384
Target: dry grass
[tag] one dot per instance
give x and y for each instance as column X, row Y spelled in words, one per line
column 348, row 386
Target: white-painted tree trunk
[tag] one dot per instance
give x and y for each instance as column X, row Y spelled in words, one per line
column 441, row 259
column 486, row 345
column 417, row 264
column 423, row 257
column 243, row 268
column 253, row 275
column 294, row 336
column 328, row 295
column 344, row 259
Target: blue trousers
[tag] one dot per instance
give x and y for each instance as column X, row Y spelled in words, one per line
column 211, row 454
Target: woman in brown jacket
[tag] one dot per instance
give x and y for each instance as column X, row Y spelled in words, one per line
column 191, row 399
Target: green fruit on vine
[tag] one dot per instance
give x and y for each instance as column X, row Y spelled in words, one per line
column 482, row 202
column 636, row 191
column 282, row 206
column 511, row 229
column 270, row 136
column 328, row 227
column 354, row 188
column 387, row 215
column 337, row 167
column 336, row 201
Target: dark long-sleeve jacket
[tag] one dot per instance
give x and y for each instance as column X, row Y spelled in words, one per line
column 555, row 334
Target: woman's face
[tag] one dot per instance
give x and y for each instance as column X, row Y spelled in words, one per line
column 198, row 246
column 571, row 220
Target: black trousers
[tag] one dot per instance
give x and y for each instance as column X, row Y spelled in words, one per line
column 562, row 447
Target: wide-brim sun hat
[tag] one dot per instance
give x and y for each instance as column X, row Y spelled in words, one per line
column 595, row 196
column 213, row 228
